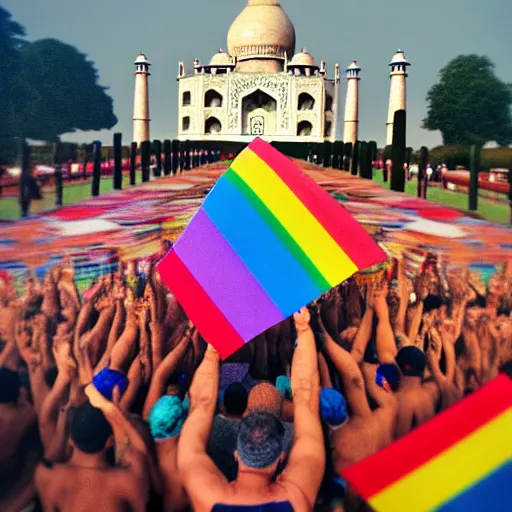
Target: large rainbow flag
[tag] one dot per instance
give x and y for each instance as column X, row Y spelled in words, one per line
column 459, row 461
column 266, row 241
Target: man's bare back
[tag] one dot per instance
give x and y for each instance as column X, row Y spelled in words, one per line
column 174, row 495
column 15, row 420
column 361, row 437
column 68, row 488
column 415, row 407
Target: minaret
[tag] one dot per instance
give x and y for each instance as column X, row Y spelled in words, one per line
column 141, row 100
column 351, row 130
column 397, row 96
column 336, row 108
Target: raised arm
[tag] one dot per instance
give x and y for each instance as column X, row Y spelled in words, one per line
column 447, row 389
column 194, row 464
column 404, row 290
column 161, row 375
column 134, row 382
column 85, row 312
column 51, row 409
column 385, row 338
column 363, row 335
column 28, row 333
column 306, row 464
column 124, row 345
column 415, row 311
column 323, row 369
column 113, row 334
column 350, row 373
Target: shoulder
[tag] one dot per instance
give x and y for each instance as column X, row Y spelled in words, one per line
column 296, row 497
column 48, row 475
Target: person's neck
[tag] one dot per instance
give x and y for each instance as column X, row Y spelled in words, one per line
column 253, row 479
column 408, row 382
column 88, row 460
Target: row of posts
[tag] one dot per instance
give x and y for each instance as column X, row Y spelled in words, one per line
column 178, row 156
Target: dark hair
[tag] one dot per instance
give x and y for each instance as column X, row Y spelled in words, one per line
column 507, row 369
column 411, row 361
column 10, row 386
column 50, row 376
column 89, row 429
column 432, row 302
column 260, row 440
column 235, row 399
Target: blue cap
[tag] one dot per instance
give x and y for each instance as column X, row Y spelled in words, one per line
column 333, row 407
column 106, row 380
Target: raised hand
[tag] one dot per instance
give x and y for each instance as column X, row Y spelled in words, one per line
column 98, row 400
column 63, row 358
column 435, row 346
column 302, row 319
column 421, row 287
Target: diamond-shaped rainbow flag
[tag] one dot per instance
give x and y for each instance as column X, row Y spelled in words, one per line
column 266, row 241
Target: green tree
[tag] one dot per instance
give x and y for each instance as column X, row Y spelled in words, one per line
column 59, row 92
column 11, row 41
column 470, row 104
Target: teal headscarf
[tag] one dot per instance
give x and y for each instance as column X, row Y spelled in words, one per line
column 167, row 417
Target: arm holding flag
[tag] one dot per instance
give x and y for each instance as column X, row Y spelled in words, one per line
column 195, row 466
column 308, row 454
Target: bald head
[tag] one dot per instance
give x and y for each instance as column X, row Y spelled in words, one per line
column 265, row 397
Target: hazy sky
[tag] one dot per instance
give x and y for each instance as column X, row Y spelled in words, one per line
column 113, row 32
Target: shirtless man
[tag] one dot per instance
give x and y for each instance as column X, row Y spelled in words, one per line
column 364, row 432
column 260, row 442
column 417, row 400
column 87, row 482
column 17, row 417
column 165, row 414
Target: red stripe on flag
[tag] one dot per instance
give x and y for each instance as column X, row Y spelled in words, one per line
column 374, row 474
column 343, row 228
column 198, row 306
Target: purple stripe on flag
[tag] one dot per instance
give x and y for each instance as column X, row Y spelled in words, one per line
column 225, row 279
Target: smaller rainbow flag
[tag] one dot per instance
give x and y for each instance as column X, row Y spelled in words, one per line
column 459, row 461
column 266, row 241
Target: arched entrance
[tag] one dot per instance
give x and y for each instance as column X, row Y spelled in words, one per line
column 304, row 129
column 212, row 126
column 212, row 99
column 306, row 101
column 259, row 114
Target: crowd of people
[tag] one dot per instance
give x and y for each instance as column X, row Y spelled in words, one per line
column 111, row 400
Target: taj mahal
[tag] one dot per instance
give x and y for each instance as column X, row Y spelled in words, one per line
column 261, row 87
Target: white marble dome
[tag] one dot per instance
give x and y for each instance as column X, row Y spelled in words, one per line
column 221, row 59
column 303, row 58
column 261, row 30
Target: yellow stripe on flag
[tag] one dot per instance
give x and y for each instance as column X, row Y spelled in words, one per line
column 451, row 472
column 328, row 257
